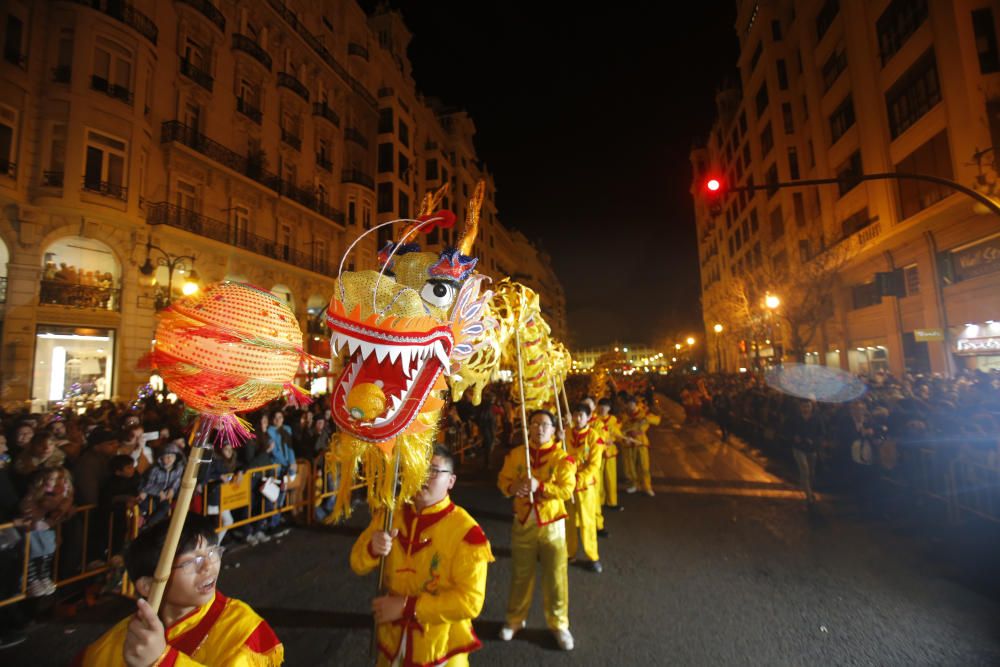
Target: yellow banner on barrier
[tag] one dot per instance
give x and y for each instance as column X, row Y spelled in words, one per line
column 234, row 494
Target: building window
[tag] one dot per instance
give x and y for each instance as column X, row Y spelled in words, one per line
column 743, row 122
column 916, row 93
column 386, row 154
column 899, row 20
column 842, row 119
column 352, row 213
column 73, row 367
column 766, row 141
column 782, row 75
column 385, row 121
column 187, row 196
column 57, row 156
column 770, row 178
column 404, row 205
column 385, row 198
column 789, row 120
column 805, row 251
column 776, row 30
column 932, row 159
column 285, row 242
column 777, row 224
column 112, row 69
column 855, row 223
column 755, row 58
column 13, row 46
column 849, row 173
column 431, row 170
column 911, row 278
column 793, row 163
column 984, row 29
column 8, row 142
column 404, row 169
column 241, row 226
column 824, row 19
column 104, row 165
column 834, row 67
column 863, row 296
column 366, row 216
column 800, row 209
column 754, row 223
column 761, row 99
column 404, row 134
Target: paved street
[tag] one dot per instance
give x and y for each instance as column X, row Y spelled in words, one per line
column 723, row 567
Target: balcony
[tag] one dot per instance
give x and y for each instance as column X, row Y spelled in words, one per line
column 431, row 146
column 125, row 13
column 288, row 81
column 52, row 179
column 62, row 74
column 253, row 49
column 8, row 169
column 249, row 110
column 163, row 213
column 359, row 50
column 386, row 92
column 323, row 111
column 106, row 188
column 324, row 163
column 291, row 139
column 357, row 177
column 251, row 167
column 210, row 11
column 101, row 296
column 199, row 76
column 13, row 55
column 353, row 134
column 110, row 89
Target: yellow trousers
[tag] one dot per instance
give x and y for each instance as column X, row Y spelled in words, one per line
column 583, row 519
column 600, row 495
column 628, row 462
column 609, row 489
column 459, row 660
column 529, row 544
column 642, row 479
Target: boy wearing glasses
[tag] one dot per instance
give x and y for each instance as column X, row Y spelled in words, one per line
column 539, row 529
column 196, row 625
column 434, row 577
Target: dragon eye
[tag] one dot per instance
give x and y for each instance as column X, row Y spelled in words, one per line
column 438, row 294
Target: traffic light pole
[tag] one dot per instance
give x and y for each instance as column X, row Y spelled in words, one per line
column 893, row 176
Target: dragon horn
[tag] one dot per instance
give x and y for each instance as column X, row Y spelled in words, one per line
column 472, row 219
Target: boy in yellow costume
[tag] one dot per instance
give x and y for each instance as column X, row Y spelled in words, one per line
column 435, row 572
column 637, row 422
column 611, row 433
column 586, row 449
column 196, row 625
column 539, row 529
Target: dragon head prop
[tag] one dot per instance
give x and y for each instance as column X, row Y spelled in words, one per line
column 396, row 335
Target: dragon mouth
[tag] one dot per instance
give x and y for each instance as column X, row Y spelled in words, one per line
column 404, row 364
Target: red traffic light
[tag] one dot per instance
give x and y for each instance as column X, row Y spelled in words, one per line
column 713, row 185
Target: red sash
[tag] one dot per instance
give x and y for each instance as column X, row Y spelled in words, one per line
column 188, row 642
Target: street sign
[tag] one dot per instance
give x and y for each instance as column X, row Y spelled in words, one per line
column 928, row 335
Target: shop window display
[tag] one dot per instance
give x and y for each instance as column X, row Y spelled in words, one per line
column 73, row 366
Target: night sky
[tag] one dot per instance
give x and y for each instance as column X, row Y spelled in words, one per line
column 586, row 119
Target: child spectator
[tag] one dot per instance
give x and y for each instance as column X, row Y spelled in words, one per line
column 48, row 502
column 223, row 470
column 162, row 482
column 40, row 453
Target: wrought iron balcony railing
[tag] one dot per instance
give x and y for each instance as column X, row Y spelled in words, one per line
column 291, row 139
column 354, row 134
column 111, row 89
column 199, row 76
column 255, row 50
column 354, row 49
column 324, row 111
column 127, row 14
column 324, row 163
column 8, row 168
column 249, row 110
column 288, row 81
column 250, row 167
column 386, row 91
column 210, row 11
column 106, row 188
column 358, row 177
column 80, row 295
column 62, row 74
column 52, row 179
column 13, row 55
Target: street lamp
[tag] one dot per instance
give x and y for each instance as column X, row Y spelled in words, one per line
column 690, row 340
column 772, row 301
column 171, row 262
column 718, row 352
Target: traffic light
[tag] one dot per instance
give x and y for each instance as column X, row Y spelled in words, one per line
column 713, row 191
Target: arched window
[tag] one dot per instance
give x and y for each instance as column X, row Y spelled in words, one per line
column 80, row 272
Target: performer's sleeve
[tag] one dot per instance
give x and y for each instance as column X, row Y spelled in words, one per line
column 562, row 483
column 614, row 428
column 508, row 475
column 464, row 600
column 363, row 560
column 590, row 469
column 653, row 419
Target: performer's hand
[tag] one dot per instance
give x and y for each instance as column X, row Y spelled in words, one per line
column 145, row 641
column 388, row 608
column 526, row 487
column 382, row 542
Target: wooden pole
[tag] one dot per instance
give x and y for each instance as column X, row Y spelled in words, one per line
column 387, row 528
column 199, row 436
column 524, row 412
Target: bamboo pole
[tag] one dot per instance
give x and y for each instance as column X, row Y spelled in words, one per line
column 386, row 528
column 199, row 436
column 524, row 412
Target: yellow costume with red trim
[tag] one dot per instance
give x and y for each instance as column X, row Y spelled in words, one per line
column 586, row 448
column 438, row 561
column 611, row 433
column 221, row 633
column 635, row 426
column 539, row 532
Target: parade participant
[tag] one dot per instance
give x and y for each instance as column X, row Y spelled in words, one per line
column 637, row 422
column 196, row 625
column 612, row 434
column 586, row 448
column 595, row 424
column 435, row 574
column 539, row 529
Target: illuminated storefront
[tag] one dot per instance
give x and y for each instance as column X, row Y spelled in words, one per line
column 978, row 346
column 73, row 364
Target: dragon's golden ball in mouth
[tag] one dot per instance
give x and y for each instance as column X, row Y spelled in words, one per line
column 366, row 401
